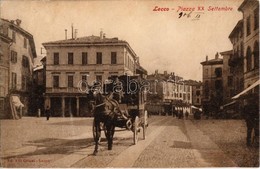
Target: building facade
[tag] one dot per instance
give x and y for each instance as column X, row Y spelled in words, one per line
column 212, row 79
column 168, row 92
column 228, row 77
column 197, row 92
column 16, row 63
column 235, row 62
column 250, row 10
column 73, row 64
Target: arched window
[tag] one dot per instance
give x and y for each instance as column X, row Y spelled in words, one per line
column 248, row 59
column 256, row 54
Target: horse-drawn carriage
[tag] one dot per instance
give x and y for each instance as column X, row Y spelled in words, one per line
column 119, row 103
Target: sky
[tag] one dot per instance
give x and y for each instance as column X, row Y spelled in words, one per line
column 161, row 39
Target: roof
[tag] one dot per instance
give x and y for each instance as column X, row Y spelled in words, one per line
column 213, row 62
column 245, row 2
column 238, row 26
column 89, row 41
column 24, row 33
column 229, row 52
column 86, row 40
column 141, row 70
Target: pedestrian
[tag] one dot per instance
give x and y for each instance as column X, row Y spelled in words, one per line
column 47, row 112
column 251, row 115
column 186, row 115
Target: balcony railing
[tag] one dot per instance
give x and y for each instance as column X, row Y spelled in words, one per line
column 62, row 90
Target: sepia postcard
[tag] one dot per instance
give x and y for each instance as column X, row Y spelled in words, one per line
column 129, row 84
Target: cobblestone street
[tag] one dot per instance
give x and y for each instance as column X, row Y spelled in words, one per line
column 170, row 142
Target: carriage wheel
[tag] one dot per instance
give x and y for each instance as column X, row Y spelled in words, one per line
column 145, row 124
column 94, row 133
column 136, row 128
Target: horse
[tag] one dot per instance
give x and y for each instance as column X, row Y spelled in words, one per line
column 106, row 112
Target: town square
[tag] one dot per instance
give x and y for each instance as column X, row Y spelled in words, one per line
column 129, row 84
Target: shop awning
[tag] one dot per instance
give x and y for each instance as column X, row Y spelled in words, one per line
column 247, row 90
column 228, row 104
column 194, row 107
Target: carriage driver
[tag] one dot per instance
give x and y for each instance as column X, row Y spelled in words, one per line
column 112, row 104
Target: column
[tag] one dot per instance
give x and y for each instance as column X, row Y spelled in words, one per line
column 63, row 106
column 77, row 106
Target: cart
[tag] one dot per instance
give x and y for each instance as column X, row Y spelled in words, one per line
column 131, row 99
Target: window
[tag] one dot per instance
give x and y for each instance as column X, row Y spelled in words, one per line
column 25, row 61
column 1, row 57
column 14, row 80
column 248, row 26
column 218, row 85
column 188, row 96
column 13, row 56
column 230, row 81
column 84, row 81
column 70, row 58
column 84, row 58
column 13, row 36
column 206, row 89
column 256, row 18
column 242, row 49
column 206, row 72
column 70, row 81
column 56, row 81
column 248, row 59
column 197, row 93
column 56, row 58
column 198, row 100
column 218, row 72
column 99, row 78
column 99, row 58
column 256, row 55
column 25, row 43
column 113, row 58
column 24, row 82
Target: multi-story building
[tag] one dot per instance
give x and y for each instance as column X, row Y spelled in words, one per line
column 228, row 78
column 73, row 64
column 250, row 10
column 236, row 77
column 168, row 89
column 196, row 92
column 16, row 62
column 212, row 76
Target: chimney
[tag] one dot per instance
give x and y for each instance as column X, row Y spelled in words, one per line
column 216, row 56
column 18, row 22
column 156, row 72
column 207, row 58
column 165, row 73
column 75, row 33
column 72, row 31
column 101, row 34
column 65, row 34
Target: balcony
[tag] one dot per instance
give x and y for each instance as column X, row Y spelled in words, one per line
column 63, row 90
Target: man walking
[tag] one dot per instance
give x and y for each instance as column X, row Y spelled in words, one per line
column 251, row 115
column 47, row 112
